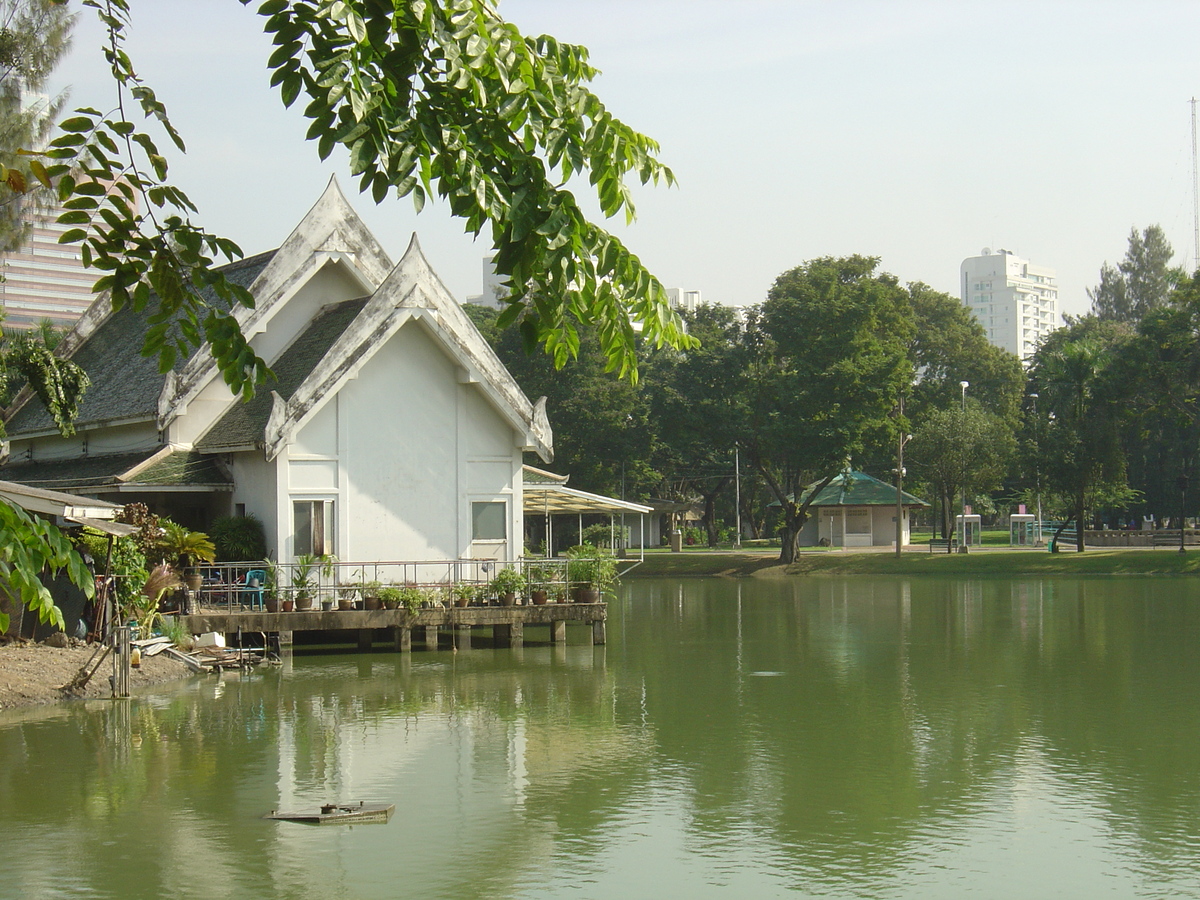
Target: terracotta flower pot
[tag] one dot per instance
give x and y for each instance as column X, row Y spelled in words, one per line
column 539, row 598
column 372, row 603
column 304, row 601
column 509, row 598
column 289, row 605
column 271, row 602
column 588, row 595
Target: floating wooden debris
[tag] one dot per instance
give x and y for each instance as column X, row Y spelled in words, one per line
column 360, row 813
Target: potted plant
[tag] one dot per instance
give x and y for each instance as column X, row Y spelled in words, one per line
column 592, row 573
column 306, row 574
column 389, row 595
column 369, row 593
column 347, row 593
column 409, row 596
column 464, row 592
column 238, row 538
column 507, row 584
column 270, row 585
column 541, row 576
column 184, row 548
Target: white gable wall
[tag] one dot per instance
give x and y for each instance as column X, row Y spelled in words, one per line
column 403, row 450
column 255, row 479
column 332, row 283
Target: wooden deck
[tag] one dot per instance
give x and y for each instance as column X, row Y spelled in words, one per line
column 425, row 626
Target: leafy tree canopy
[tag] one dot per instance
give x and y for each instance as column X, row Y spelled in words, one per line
column 1139, row 283
column 831, row 358
column 1079, row 412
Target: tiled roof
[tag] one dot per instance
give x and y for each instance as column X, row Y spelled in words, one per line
column 125, row 384
column 184, row 467
column 859, row 489
column 84, row 473
column 95, row 473
column 243, row 424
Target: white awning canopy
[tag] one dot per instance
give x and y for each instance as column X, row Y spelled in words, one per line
column 557, row 499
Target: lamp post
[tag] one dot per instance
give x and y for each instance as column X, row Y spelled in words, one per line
column 737, row 501
column 900, row 442
column 1037, row 468
column 963, row 538
column 1182, row 482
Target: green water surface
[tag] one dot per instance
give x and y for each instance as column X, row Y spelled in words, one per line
column 820, row 737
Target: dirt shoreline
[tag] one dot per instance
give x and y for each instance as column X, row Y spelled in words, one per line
column 34, row 674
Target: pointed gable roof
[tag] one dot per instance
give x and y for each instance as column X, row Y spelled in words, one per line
column 331, row 233
column 411, row 291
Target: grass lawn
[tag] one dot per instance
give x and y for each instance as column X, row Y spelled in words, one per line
column 1099, row 561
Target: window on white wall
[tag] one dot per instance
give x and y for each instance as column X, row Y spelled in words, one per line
column 313, row 527
column 489, row 521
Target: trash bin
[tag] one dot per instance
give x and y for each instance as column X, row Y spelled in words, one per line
column 677, row 541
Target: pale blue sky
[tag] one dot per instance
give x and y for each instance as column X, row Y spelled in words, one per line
column 919, row 132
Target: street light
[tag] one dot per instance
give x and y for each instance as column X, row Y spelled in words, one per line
column 963, row 537
column 901, row 441
column 1037, row 468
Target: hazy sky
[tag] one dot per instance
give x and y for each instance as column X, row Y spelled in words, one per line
column 918, row 132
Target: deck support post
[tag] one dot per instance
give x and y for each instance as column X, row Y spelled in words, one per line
column 462, row 637
column 598, row 631
column 511, row 635
column 431, row 637
column 403, row 639
column 364, row 639
column 558, row 631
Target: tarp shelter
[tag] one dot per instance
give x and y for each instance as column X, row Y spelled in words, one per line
column 546, row 494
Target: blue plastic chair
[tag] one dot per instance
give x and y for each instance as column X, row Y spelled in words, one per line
column 254, row 590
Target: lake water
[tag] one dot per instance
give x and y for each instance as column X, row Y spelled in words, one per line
column 820, row 737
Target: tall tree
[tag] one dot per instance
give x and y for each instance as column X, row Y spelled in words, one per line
column 1078, row 414
column 1159, row 369
column 1139, row 283
column 830, row 358
column 34, row 35
column 957, row 449
column 948, row 347
column 699, row 400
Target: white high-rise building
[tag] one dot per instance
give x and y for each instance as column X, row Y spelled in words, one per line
column 1015, row 301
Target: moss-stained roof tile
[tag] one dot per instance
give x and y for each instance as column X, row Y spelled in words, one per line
column 73, row 474
column 125, row 384
column 243, row 424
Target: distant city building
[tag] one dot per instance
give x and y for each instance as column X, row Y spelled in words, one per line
column 494, row 292
column 1015, row 301
column 44, row 279
column 494, row 289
